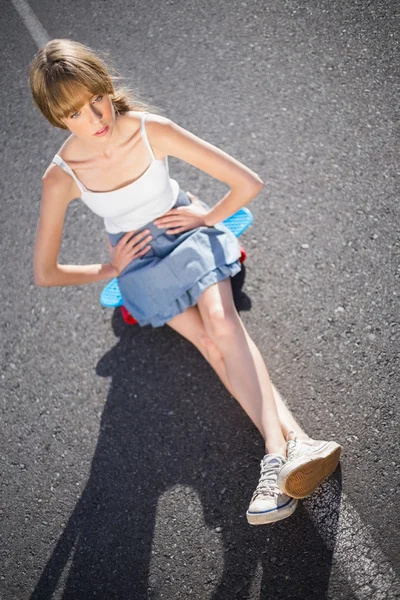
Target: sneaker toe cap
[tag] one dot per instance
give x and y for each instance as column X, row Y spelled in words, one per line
column 261, row 505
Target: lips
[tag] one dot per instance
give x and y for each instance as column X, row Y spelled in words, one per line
column 102, row 131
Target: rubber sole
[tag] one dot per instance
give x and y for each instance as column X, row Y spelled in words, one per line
column 302, row 478
column 272, row 517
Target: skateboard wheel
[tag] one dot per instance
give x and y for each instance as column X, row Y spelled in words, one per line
column 126, row 315
column 243, row 255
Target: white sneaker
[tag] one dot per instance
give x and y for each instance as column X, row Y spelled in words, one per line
column 308, row 463
column 268, row 503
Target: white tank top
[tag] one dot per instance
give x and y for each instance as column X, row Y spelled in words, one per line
column 131, row 207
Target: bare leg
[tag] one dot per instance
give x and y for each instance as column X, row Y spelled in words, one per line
column 191, row 326
column 225, row 328
column 287, row 420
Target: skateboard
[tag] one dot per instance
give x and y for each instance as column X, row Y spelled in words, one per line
column 111, row 297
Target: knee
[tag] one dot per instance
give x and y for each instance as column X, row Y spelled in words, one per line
column 223, row 325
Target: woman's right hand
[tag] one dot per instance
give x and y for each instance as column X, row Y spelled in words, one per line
column 130, row 246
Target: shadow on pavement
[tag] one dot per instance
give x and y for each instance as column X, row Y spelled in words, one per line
column 159, row 429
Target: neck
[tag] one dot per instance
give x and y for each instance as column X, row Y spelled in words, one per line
column 107, row 148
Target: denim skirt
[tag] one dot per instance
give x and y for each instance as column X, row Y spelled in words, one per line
column 170, row 277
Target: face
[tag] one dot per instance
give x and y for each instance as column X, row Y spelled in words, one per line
column 94, row 121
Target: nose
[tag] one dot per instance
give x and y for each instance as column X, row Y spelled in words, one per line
column 96, row 114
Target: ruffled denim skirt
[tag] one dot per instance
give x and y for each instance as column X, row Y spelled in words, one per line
column 170, row 277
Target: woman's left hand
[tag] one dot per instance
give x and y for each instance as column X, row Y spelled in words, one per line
column 183, row 218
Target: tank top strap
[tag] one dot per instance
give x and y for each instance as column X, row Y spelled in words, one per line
column 65, row 167
column 144, row 135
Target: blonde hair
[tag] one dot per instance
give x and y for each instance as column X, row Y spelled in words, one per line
column 64, row 73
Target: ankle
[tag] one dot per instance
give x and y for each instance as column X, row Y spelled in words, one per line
column 294, row 435
column 276, row 450
column 303, row 437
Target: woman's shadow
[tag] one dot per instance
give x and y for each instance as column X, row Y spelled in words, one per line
column 161, row 429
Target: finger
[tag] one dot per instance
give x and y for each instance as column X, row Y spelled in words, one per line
column 167, row 221
column 158, row 221
column 139, row 239
column 170, row 213
column 132, row 235
column 141, row 234
column 143, row 251
column 125, row 238
column 139, row 245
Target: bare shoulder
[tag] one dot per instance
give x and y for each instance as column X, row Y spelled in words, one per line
column 58, row 184
column 168, row 135
column 154, row 122
column 156, row 128
column 159, row 129
column 135, row 116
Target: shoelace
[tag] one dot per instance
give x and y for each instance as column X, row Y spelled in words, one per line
column 290, row 449
column 267, row 484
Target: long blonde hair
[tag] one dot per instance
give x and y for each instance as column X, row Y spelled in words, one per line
column 64, row 73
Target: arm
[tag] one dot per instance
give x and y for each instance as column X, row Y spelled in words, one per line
column 173, row 140
column 57, row 192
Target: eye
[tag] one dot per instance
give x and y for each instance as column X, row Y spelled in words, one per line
column 98, row 98
column 74, row 115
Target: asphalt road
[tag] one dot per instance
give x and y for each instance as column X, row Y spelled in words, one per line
column 126, row 468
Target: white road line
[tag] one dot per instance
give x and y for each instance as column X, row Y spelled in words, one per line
column 355, row 550
column 32, row 23
column 356, row 556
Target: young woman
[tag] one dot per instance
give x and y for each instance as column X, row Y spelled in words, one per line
column 171, row 254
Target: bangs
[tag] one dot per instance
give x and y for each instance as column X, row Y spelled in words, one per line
column 69, row 97
column 67, row 89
